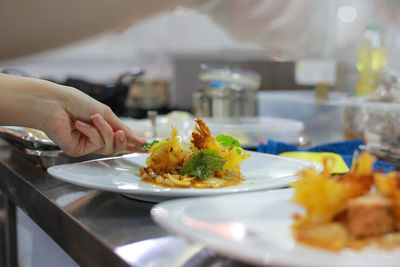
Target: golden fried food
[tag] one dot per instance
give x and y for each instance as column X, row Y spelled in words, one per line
column 207, row 163
column 354, row 211
column 202, row 139
column 167, row 156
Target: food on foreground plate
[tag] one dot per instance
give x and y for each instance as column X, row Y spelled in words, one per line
column 208, row 162
column 359, row 209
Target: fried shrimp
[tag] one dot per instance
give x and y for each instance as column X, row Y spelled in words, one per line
column 202, row 139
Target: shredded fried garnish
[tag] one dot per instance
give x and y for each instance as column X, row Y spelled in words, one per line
column 167, row 156
column 189, row 181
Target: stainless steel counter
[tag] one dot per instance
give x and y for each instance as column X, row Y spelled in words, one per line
column 95, row 228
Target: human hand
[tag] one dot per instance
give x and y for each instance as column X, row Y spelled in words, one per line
column 77, row 123
column 97, row 137
column 83, row 125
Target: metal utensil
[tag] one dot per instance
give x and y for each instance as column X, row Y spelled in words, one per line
column 152, row 115
column 26, row 138
column 384, row 153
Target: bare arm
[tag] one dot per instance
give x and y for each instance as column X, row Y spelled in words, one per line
column 76, row 122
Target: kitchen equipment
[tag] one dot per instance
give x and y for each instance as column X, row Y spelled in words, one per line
column 159, row 127
column 152, row 115
column 34, row 145
column 113, row 94
column 250, row 131
column 225, row 92
column 27, row 137
column 322, row 119
column 148, row 94
column 384, row 153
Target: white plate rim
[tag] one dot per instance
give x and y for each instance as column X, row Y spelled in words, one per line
column 179, row 192
column 269, row 259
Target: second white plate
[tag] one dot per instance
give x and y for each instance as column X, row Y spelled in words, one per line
column 255, row 228
column 121, row 174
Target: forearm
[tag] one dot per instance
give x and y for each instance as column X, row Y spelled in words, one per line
column 26, row 101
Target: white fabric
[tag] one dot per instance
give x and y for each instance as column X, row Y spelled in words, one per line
column 288, row 29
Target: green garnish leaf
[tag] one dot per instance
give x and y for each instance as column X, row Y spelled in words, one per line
column 147, row 146
column 228, row 141
column 203, row 164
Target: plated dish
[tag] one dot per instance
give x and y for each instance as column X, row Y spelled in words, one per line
column 255, row 228
column 121, row 175
column 205, row 162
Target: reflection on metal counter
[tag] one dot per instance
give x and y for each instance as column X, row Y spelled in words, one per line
column 225, row 92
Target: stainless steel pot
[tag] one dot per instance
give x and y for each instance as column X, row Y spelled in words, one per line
column 148, row 94
column 226, row 92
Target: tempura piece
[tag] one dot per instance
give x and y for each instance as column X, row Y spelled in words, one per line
column 167, row 156
column 321, row 196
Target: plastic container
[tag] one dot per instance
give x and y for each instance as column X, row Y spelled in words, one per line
column 322, row 119
column 144, row 128
column 340, row 117
column 250, row 131
column 381, row 123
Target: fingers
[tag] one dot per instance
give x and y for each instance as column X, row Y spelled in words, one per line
column 91, row 133
column 106, row 132
column 117, row 124
column 105, row 140
column 136, row 140
column 114, row 143
column 120, row 142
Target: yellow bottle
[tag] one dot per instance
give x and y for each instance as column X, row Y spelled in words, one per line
column 372, row 58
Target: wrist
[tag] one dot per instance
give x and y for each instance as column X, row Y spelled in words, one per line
column 51, row 100
column 26, row 101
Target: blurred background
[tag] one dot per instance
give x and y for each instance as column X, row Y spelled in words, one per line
column 171, row 60
column 299, row 72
